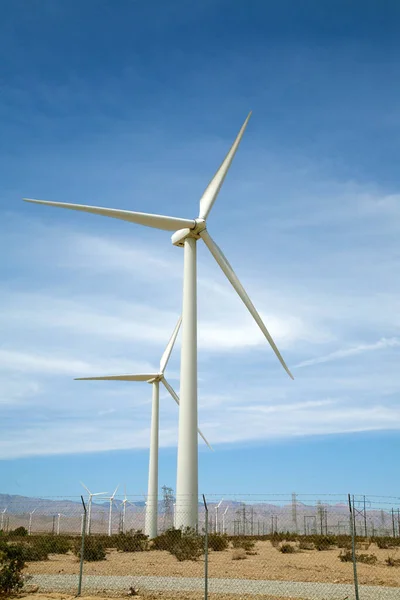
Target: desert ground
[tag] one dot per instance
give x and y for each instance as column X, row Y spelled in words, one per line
column 267, row 563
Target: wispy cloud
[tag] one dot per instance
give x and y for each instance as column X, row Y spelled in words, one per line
column 353, row 351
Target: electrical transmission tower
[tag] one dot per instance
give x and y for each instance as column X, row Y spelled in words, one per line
column 168, row 506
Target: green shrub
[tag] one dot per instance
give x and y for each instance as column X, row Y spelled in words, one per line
column 94, row 549
column 11, row 566
column 18, row 532
column 189, row 546
column 287, row 548
column 166, row 540
column 132, row 542
column 34, row 552
column 217, row 542
column 52, row 544
column 323, row 542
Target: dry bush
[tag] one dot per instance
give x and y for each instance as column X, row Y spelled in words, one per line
column 218, row 542
column 392, row 562
column 245, row 543
column 287, row 548
column 304, row 545
column 239, row 554
column 367, row 559
column 275, row 542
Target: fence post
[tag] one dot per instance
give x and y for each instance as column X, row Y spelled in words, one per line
column 82, row 548
column 205, row 550
column 353, row 549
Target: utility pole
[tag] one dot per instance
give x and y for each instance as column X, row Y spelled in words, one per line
column 294, row 512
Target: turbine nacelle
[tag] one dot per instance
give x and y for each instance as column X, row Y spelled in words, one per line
column 179, row 237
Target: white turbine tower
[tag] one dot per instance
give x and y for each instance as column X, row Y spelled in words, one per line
column 189, row 232
column 125, row 501
column 216, row 515
column 3, row 512
column 89, row 515
column 30, row 521
column 223, row 520
column 59, row 515
column 111, row 499
column 151, row 500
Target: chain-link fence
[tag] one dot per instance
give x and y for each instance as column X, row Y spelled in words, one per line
column 271, row 547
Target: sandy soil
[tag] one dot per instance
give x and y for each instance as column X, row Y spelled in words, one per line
column 268, row 563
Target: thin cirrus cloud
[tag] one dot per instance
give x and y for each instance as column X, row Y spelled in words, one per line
column 348, row 352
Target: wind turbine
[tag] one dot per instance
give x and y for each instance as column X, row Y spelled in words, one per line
column 3, row 512
column 125, row 501
column 30, row 521
column 223, row 519
column 187, row 233
column 151, row 500
column 59, row 515
column 111, row 499
column 89, row 519
column 216, row 515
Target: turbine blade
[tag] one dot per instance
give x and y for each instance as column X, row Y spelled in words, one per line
column 176, row 398
column 116, row 489
column 167, row 352
column 141, row 377
column 233, row 279
column 208, row 198
column 87, row 489
column 156, row 221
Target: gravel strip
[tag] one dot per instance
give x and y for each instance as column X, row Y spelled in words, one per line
column 282, row 589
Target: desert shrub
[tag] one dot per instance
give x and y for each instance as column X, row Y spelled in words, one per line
column 343, row 541
column 52, row 544
column 304, row 545
column 364, row 545
column 275, row 542
column 346, row 556
column 18, row 532
column 239, row 554
column 94, row 549
column 368, row 559
column 34, row 552
column 242, row 542
column 189, row 546
column 166, row 540
column 133, row 541
column 286, row 548
column 217, row 542
column 323, row 542
column 12, row 564
column 392, row 562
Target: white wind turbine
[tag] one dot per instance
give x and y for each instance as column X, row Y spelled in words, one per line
column 189, row 232
column 125, row 501
column 216, row 514
column 151, row 501
column 111, row 499
column 89, row 515
column 59, row 515
column 3, row 512
column 223, row 519
column 30, row 521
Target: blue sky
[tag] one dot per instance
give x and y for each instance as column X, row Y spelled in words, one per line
column 134, row 106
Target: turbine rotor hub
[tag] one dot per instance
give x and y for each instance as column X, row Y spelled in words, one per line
column 178, row 238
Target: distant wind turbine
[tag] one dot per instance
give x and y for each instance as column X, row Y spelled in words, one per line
column 89, row 516
column 223, row 519
column 59, row 515
column 111, row 500
column 151, row 500
column 216, row 515
column 187, row 233
column 3, row 512
column 30, row 521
